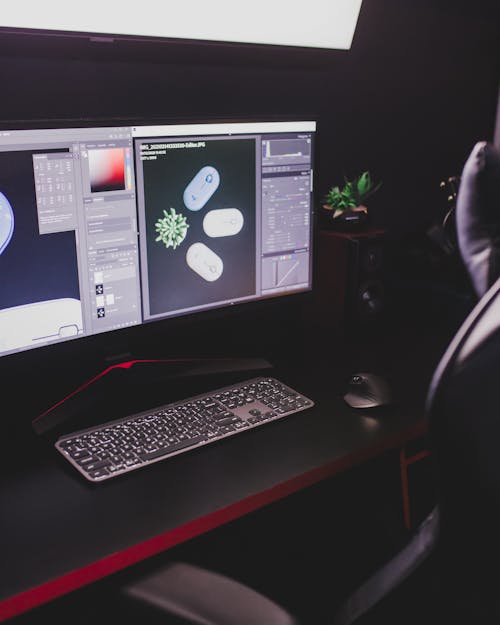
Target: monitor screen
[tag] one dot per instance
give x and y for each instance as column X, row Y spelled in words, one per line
column 109, row 227
column 327, row 24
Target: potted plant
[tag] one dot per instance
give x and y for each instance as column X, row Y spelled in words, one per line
column 345, row 206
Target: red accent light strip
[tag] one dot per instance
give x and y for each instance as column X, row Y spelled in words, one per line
column 122, row 365
column 404, row 488
column 420, row 456
column 55, row 588
column 405, row 462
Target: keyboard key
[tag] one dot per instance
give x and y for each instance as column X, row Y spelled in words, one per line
column 172, row 448
column 98, row 473
column 99, row 464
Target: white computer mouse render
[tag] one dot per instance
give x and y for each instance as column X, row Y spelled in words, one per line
column 223, row 222
column 204, row 262
column 201, row 188
column 6, row 222
column 40, row 322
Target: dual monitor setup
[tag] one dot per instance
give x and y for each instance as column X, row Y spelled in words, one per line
column 107, row 227
column 110, row 228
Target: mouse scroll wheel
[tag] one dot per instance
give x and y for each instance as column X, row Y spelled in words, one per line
column 356, row 379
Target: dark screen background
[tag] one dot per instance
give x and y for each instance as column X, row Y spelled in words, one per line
column 33, row 267
column 172, row 283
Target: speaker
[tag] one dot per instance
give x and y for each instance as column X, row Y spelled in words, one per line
column 349, row 287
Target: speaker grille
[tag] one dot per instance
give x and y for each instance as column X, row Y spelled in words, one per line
column 349, row 289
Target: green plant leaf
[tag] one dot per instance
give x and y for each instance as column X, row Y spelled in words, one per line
column 333, row 197
column 364, row 184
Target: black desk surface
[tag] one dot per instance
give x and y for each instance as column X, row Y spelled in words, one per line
column 59, row 532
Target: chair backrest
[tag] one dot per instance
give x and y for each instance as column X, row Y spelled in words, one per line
column 463, row 403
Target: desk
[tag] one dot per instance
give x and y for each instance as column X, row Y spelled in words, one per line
column 59, row 532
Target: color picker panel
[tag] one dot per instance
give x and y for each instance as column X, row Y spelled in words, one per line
column 107, row 170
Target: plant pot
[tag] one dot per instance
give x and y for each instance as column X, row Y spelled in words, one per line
column 349, row 219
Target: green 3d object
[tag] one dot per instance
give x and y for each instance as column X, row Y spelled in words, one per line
column 171, row 228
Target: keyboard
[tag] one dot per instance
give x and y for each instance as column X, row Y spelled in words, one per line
column 127, row 444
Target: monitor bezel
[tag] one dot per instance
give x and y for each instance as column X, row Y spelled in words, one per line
column 24, row 42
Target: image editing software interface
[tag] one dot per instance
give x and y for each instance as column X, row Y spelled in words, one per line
column 104, row 228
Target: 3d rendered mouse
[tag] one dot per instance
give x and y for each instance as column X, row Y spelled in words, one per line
column 367, row 390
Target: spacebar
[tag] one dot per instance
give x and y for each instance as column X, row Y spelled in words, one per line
column 165, row 451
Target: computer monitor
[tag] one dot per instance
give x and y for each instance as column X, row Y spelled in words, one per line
column 108, row 229
column 325, row 24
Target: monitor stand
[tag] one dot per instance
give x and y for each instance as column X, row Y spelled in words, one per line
column 135, row 385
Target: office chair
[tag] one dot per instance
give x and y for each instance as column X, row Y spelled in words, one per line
column 461, row 536
column 462, row 533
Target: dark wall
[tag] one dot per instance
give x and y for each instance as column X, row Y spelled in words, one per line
column 417, row 89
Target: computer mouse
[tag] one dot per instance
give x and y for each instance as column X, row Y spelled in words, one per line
column 367, row 390
column 201, row 188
